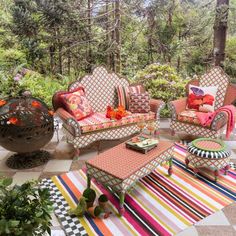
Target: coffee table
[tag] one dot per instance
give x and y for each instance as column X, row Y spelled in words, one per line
column 119, row 168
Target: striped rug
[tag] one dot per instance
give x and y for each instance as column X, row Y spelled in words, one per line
column 158, row 204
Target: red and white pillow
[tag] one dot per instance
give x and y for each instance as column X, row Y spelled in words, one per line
column 139, row 103
column 124, row 94
column 76, row 103
column 201, row 98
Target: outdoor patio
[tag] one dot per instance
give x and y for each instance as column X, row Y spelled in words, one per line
column 220, row 223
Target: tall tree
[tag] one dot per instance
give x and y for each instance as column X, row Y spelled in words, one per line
column 220, row 30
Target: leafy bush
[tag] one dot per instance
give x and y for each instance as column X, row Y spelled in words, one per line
column 230, row 61
column 24, row 210
column 43, row 87
column 11, row 57
column 162, row 82
column 9, row 86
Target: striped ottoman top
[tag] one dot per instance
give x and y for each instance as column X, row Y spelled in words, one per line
column 208, row 148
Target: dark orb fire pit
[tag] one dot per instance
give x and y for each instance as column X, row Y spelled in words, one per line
column 26, row 125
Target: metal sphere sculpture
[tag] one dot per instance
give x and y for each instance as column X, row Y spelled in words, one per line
column 26, row 125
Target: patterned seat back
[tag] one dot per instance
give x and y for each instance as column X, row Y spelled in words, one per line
column 100, row 88
column 216, row 77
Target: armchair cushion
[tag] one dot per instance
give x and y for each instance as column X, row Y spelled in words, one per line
column 76, row 103
column 98, row 121
column 189, row 116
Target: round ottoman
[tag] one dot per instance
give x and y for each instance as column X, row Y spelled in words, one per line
column 208, row 153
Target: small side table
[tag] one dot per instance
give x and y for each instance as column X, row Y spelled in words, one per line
column 208, row 153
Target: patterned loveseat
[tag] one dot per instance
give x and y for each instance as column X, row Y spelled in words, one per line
column 100, row 89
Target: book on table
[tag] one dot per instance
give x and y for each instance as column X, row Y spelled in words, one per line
column 142, row 143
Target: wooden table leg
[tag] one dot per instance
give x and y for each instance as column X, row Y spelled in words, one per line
column 122, row 200
column 88, row 181
column 216, row 174
column 170, row 170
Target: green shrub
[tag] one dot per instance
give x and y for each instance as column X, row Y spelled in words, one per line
column 25, row 209
column 162, row 82
column 44, row 87
column 11, row 57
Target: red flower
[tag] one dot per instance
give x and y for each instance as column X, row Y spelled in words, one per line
column 2, row 102
column 13, row 120
column 36, row 104
column 119, row 115
column 51, row 112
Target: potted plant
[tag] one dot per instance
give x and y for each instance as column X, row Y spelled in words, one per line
column 24, row 210
column 95, row 211
column 80, row 208
column 102, row 201
column 90, row 196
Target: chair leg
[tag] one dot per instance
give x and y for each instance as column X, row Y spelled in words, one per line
column 172, row 132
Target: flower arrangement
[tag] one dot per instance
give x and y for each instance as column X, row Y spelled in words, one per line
column 117, row 113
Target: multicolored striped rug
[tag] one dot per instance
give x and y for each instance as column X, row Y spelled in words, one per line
column 158, row 204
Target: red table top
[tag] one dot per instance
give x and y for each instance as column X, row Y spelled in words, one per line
column 122, row 162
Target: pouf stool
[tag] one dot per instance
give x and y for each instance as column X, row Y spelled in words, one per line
column 208, row 153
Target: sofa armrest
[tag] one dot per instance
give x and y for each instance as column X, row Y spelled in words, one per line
column 69, row 122
column 177, row 106
column 219, row 121
column 156, row 106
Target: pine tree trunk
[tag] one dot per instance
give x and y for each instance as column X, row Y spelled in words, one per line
column 52, row 58
column 151, row 25
column 89, row 53
column 117, row 37
column 220, row 30
column 112, row 54
column 108, row 59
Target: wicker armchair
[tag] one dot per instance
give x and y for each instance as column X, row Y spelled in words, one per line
column 100, row 88
column 226, row 94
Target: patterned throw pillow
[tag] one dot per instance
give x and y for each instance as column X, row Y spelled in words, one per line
column 77, row 104
column 139, row 103
column 201, row 98
column 124, row 94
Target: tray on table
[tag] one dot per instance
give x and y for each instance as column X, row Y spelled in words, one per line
column 141, row 144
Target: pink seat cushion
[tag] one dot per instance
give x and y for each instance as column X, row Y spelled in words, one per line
column 189, row 116
column 98, row 121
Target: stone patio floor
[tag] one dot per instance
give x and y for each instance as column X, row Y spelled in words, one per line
column 222, row 223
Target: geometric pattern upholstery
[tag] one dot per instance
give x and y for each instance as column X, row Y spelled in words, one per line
column 216, row 77
column 195, row 130
column 106, row 134
column 124, row 184
column 100, row 88
column 99, row 121
column 214, row 164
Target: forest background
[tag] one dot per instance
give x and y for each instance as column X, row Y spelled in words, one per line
column 46, row 44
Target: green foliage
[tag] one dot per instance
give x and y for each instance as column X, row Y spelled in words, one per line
column 11, row 58
column 103, row 198
column 24, row 210
column 9, row 86
column 162, row 82
column 80, row 208
column 89, row 194
column 230, row 61
column 44, row 87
